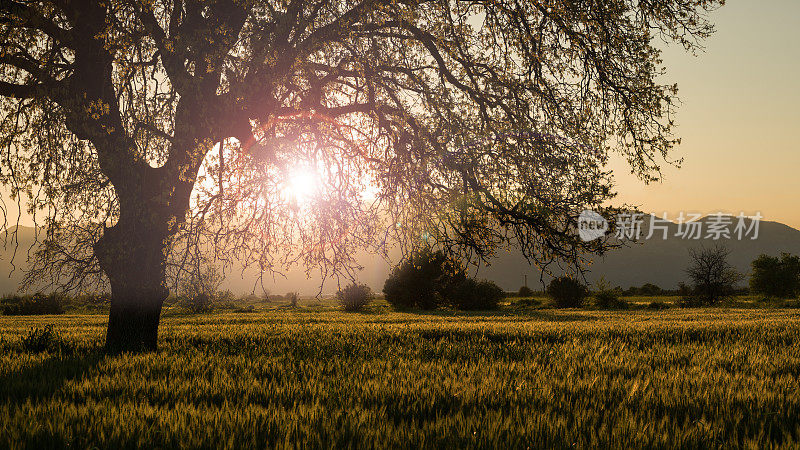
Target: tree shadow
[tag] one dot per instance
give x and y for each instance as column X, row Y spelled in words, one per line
column 44, row 379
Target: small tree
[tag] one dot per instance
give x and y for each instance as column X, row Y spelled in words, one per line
column 711, row 274
column 354, row 297
column 776, row 277
column 567, row 292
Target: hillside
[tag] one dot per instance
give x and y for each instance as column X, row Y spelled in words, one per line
column 658, row 261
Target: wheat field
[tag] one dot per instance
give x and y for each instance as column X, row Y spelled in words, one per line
column 544, row 378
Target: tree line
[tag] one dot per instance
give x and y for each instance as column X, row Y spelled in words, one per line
column 430, row 280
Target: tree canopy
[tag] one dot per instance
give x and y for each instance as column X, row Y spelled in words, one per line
column 154, row 132
column 776, row 277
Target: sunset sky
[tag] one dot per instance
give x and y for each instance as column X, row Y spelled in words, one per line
column 739, row 119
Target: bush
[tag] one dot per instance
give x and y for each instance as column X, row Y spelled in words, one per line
column 198, row 302
column 245, row 309
column 423, row 281
column 525, row 291
column 650, row 289
column 430, row 279
column 354, row 297
column 566, row 292
column 97, row 301
column 469, row 294
column 36, row 305
column 609, row 299
column 42, row 339
column 657, row 305
column 606, row 297
column 293, row 298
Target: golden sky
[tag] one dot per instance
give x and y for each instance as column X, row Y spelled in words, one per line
column 739, row 119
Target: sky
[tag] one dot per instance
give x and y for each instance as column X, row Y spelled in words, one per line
column 739, row 119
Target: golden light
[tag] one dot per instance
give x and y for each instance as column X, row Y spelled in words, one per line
column 303, row 184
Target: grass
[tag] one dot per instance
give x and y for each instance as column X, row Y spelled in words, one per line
column 321, row 378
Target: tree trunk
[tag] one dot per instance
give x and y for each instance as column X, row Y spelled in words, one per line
column 133, row 256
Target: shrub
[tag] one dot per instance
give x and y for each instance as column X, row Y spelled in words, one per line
column 198, row 302
column 429, row 279
column 245, row 309
column 525, row 291
column 422, row 281
column 609, row 299
column 647, row 289
column 354, row 297
column 42, row 339
column 97, row 301
column 469, row 294
column 775, row 302
column 292, row 298
column 657, row 305
column 567, row 292
column 36, row 305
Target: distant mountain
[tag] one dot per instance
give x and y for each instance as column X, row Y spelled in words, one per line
column 19, row 246
column 656, row 260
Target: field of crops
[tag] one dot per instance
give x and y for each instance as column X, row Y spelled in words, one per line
column 543, row 378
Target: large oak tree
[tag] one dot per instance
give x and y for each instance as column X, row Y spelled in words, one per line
column 147, row 135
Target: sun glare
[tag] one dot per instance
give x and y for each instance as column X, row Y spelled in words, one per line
column 302, row 185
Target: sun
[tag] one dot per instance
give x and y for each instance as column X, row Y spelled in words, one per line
column 303, row 185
